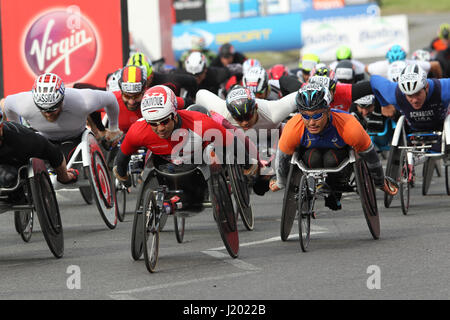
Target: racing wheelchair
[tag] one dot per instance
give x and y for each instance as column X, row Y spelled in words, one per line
column 32, row 194
column 94, row 182
column 305, row 185
column 409, row 150
column 183, row 191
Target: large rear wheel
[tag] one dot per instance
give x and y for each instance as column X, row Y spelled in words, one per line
column 290, row 207
column 428, row 170
column 392, row 170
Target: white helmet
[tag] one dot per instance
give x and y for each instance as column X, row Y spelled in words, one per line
column 394, row 70
column 112, row 83
column 366, row 101
column 250, row 63
column 48, row 91
column 158, row 103
column 421, row 55
column 195, row 63
column 412, row 79
column 256, row 79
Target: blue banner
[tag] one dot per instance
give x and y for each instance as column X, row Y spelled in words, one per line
column 308, row 13
column 270, row 33
column 244, row 8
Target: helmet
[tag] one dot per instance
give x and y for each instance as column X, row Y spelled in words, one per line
column 158, row 103
column 394, row 70
column 48, row 91
column 133, row 79
column 256, row 79
column 308, row 61
column 241, row 103
column 321, row 69
column 312, row 97
column 112, row 81
column 226, row 50
column 366, row 101
column 197, row 42
column 412, row 79
column 325, row 81
column 343, row 53
column 277, row 71
column 199, row 108
column 395, row 53
column 444, row 31
column 249, row 63
column 421, row 55
column 139, row 59
column 195, row 63
column 345, row 71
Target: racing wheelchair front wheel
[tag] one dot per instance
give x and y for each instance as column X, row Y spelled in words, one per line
column 405, row 182
column 23, row 222
column 224, row 212
column 121, row 198
column 305, row 207
column 241, row 194
column 47, row 209
column 367, row 193
column 150, row 231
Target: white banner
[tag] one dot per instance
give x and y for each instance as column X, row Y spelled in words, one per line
column 367, row 37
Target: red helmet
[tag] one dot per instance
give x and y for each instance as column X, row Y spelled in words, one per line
column 277, row 71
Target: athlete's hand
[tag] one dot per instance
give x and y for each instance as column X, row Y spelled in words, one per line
column 390, row 186
column 113, row 137
column 273, row 185
column 252, row 170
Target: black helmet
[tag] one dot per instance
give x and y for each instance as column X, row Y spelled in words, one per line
column 241, row 103
column 345, row 71
column 312, row 97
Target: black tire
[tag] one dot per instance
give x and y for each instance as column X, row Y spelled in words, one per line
column 367, row 193
column 23, row 222
column 447, row 180
column 224, row 212
column 241, row 194
column 428, row 170
column 179, row 224
column 121, row 198
column 305, row 203
column 405, row 185
column 47, row 209
column 290, row 208
column 150, row 231
column 86, row 194
column 392, row 170
column 102, row 186
column 137, row 236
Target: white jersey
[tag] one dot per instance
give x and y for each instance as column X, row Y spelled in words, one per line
column 77, row 105
column 381, row 67
column 270, row 113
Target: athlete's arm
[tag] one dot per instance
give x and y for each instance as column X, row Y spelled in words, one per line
column 9, row 108
column 96, row 100
column 279, row 110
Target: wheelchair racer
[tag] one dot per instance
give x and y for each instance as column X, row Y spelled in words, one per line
column 32, row 145
column 61, row 114
column 162, row 128
column 323, row 136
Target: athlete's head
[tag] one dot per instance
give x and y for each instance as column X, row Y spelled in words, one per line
column 195, row 64
column 413, row 83
column 48, row 95
column 366, row 105
column 257, row 80
column 307, row 64
column 241, row 103
column 345, row 72
column 343, row 53
column 132, row 84
column 277, row 71
column 313, row 101
column 250, row 63
column 159, row 109
column 395, row 69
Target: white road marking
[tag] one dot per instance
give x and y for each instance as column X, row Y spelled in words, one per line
column 234, row 262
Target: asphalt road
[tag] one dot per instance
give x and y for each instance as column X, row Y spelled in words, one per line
column 411, row 258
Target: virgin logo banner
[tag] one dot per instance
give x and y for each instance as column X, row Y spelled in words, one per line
column 76, row 42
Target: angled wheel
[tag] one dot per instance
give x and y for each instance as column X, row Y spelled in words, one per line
column 392, row 170
column 137, row 236
column 224, row 212
column 367, row 193
column 405, row 185
column 150, row 229
column 241, row 194
column 23, row 221
column 179, row 226
column 305, row 207
column 86, row 194
column 47, row 209
column 428, row 169
column 101, row 184
column 289, row 211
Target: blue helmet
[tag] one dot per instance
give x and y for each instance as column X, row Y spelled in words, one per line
column 395, row 53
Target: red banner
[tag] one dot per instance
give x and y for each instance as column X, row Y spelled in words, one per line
column 81, row 41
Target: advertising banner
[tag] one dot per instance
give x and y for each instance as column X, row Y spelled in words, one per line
column 367, row 37
column 280, row 32
column 309, row 13
column 327, row 4
column 73, row 41
column 189, row 10
column 244, row 8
